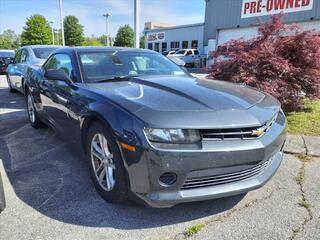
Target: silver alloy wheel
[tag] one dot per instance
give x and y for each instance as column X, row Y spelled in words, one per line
column 31, row 109
column 102, row 162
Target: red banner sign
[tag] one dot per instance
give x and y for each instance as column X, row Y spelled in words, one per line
column 256, row 8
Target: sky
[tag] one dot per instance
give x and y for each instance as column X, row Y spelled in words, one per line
column 13, row 13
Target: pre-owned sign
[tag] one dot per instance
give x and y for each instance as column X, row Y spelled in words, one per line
column 156, row 37
column 256, row 8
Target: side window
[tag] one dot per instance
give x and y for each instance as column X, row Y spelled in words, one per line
column 194, row 44
column 24, row 55
column 185, row 44
column 189, row 53
column 196, row 52
column 17, row 59
column 60, row 61
column 164, row 46
column 157, row 47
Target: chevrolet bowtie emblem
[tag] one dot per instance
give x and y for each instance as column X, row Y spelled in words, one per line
column 258, row 132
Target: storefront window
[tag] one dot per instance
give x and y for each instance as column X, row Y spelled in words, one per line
column 194, row 44
column 157, row 47
column 175, row 45
column 164, row 46
column 185, row 44
column 150, row 46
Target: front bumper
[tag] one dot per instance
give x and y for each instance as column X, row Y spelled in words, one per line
column 213, row 158
column 171, row 198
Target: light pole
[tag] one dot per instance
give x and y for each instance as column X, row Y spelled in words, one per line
column 51, row 24
column 136, row 23
column 107, row 15
column 61, row 22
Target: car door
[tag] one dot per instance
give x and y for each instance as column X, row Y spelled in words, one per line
column 189, row 57
column 13, row 69
column 20, row 69
column 59, row 98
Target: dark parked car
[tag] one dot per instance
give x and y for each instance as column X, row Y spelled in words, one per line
column 6, row 57
column 25, row 57
column 148, row 128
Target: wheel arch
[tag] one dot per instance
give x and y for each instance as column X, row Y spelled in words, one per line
column 24, row 86
column 87, row 122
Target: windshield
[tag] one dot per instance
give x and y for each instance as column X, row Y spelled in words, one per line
column 7, row 54
column 105, row 65
column 180, row 52
column 43, row 53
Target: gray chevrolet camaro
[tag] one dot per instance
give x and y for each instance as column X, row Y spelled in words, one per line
column 149, row 128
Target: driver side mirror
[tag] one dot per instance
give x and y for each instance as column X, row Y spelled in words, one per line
column 57, row 74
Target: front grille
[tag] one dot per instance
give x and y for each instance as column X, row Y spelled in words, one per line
column 236, row 133
column 208, row 181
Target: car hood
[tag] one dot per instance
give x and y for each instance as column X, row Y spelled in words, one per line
column 180, row 96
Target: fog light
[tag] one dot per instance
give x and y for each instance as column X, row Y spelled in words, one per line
column 167, row 179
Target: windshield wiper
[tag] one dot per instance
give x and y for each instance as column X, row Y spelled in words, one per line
column 117, row 78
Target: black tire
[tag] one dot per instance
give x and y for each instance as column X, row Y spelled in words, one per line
column 119, row 193
column 11, row 89
column 2, row 198
column 35, row 121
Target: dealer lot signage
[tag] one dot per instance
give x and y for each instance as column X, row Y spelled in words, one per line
column 256, row 8
column 156, row 37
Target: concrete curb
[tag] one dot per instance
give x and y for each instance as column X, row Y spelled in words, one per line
column 298, row 144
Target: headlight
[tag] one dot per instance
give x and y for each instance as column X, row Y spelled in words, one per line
column 281, row 118
column 178, row 136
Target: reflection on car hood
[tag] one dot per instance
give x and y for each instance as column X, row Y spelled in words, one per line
column 180, row 96
column 38, row 61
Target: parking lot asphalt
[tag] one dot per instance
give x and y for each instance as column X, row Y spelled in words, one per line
column 50, row 196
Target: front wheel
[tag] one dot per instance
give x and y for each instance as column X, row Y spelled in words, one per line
column 32, row 112
column 106, row 165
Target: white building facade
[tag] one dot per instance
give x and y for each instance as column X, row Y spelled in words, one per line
column 226, row 20
column 176, row 37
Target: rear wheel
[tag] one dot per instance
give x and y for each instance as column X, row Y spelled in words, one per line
column 106, row 164
column 32, row 112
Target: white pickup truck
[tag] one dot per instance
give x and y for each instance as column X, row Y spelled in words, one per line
column 189, row 56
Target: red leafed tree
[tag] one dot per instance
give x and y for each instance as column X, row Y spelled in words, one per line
column 282, row 60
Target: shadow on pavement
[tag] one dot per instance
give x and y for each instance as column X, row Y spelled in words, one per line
column 50, row 177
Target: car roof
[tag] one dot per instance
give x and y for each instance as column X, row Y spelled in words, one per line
column 93, row 49
column 42, row 46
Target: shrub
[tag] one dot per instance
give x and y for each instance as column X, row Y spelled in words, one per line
column 282, row 60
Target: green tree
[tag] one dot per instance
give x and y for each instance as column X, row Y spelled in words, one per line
column 142, row 41
column 57, row 37
column 92, row 41
column 5, row 43
column 36, row 31
column 9, row 40
column 73, row 31
column 125, row 37
column 103, row 40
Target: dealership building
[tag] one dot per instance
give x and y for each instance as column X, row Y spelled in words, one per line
column 225, row 20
